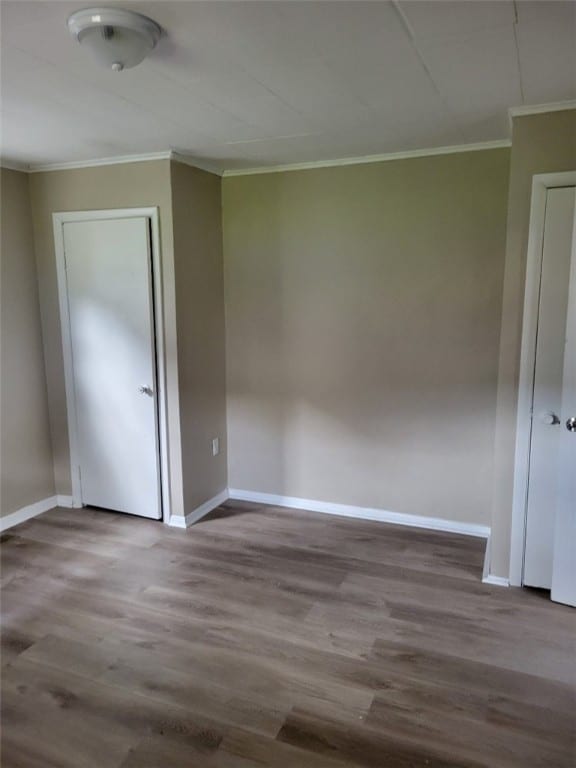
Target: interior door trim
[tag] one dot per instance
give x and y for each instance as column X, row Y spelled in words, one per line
column 151, row 214
column 541, row 183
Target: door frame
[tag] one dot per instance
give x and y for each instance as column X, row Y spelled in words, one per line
column 58, row 221
column 541, row 183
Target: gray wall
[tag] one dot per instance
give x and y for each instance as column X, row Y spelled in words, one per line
column 26, row 451
column 363, row 317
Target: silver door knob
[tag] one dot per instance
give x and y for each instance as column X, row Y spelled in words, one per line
column 146, row 390
column 571, row 424
column 549, row 417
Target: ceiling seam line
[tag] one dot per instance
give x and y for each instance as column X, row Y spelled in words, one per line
column 410, row 32
column 517, row 47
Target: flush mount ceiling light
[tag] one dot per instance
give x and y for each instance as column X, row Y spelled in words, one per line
column 116, row 38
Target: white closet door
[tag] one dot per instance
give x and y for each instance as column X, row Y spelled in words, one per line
column 548, row 375
column 564, row 566
column 109, row 284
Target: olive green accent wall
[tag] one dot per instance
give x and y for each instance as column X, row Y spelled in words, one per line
column 544, row 143
column 26, row 459
column 363, row 320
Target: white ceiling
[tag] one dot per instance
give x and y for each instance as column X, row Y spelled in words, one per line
column 249, row 84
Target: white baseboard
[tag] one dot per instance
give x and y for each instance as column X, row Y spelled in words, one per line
column 177, row 521
column 200, row 512
column 363, row 513
column 65, row 501
column 487, row 577
column 487, row 556
column 25, row 513
column 498, row 581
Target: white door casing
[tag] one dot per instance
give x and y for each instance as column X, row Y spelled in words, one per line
column 126, row 220
column 547, row 393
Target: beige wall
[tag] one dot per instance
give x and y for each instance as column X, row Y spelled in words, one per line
column 197, row 221
column 368, row 359
column 26, row 452
column 115, row 186
column 540, row 144
column 363, row 316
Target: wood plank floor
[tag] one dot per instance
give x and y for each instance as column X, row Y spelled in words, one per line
column 268, row 637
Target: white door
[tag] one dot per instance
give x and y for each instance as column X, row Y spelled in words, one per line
column 109, row 285
column 547, row 428
column 564, row 566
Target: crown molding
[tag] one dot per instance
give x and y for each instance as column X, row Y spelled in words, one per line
column 13, row 165
column 215, row 168
column 538, row 109
column 364, row 159
column 204, row 165
column 121, row 159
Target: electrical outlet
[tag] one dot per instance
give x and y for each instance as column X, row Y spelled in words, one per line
column 216, row 446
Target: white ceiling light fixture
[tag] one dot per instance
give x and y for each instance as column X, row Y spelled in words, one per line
column 117, row 39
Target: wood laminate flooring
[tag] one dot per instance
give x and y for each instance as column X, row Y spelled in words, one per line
column 268, row 637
